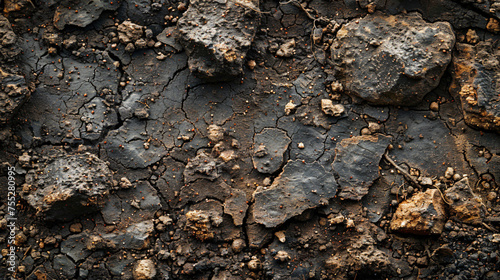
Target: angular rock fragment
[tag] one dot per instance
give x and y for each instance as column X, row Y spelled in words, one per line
column 236, row 206
column 392, row 60
column 81, row 12
column 329, row 108
column 14, row 91
column 422, row 214
column 357, row 163
column 135, row 237
column 8, row 48
column 129, row 32
column 299, row 187
column 70, row 186
column 269, row 149
column 464, row 204
column 475, row 84
column 217, row 35
column 202, row 166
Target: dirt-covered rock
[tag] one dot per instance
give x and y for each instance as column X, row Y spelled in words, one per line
column 464, row 204
column 392, row 60
column 423, row 214
column 217, row 35
column 14, row 91
column 476, row 72
column 69, row 186
column 8, row 48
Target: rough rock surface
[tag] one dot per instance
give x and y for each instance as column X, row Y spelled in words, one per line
column 475, row 84
column 392, row 60
column 217, row 35
column 8, row 48
column 423, row 214
column 14, row 91
column 464, row 205
column 70, row 186
column 81, row 12
column 357, row 163
column 270, row 146
column 299, row 187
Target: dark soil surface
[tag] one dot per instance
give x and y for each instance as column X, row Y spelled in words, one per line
column 238, row 139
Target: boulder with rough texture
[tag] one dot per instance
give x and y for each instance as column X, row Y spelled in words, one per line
column 357, row 163
column 423, row 214
column 464, row 204
column 8, row 39
column 81, row 12
column 299, row 187
column 217, row 35
column 269, row 150
column 476, row 75
column 14, row 91
column 392, row 60
column 70, row 186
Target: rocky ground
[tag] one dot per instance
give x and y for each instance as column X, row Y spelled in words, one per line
column 238, row 139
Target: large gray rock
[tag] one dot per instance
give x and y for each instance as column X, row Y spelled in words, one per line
column 475, row 83
column 81, row 12
column 299, row 187
column 269, row 149
column 392, row 60
column 217, row 35
column 357, row 163
column 70, row 186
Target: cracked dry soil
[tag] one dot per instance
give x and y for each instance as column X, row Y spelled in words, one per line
column 247, row 139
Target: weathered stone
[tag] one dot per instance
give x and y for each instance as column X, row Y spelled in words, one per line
column 70, row 186
column 144, row 270
column 357, row 163
column 299, row 187
column 269, row 149
column 81, row 12
column 236, row 206
column 329, row 108
column 202, row 166
column 217, row 35
column 464, row 204
column 215, row 133
column 64, row 266
column 14, row 91
column 392, row 60
column 475, row 83
column 129, row 32
column 75, row 246
column 423, row 214
column 135, row 237
column 287, row 49
column 200, row 223
column 8, row 48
